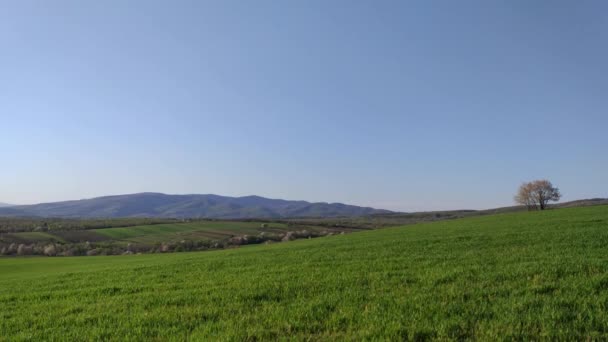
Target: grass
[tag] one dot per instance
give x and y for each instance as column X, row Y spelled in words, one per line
column 34, row 237
column 150, row 234
column 178, row 231
column 538, row 275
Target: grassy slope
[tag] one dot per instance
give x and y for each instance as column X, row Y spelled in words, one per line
column 150, row 234
column 179, row 231
column 540, row 274
column 34, row 237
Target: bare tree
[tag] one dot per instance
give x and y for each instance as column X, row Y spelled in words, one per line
column 543, row 192
column 524, row 196
column 537, row 194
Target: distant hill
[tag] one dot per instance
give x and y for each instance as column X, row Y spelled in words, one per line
column 582, row 203
column 4, row 205
column 187, row 206
column 400, row 218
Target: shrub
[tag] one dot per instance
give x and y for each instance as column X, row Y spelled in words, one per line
column 94, row 252
column 50, row 250
column 24, row 250
column 288, row 237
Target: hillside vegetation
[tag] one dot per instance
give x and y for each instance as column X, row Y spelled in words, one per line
column 156, row 205
column 528, row 275
column 180, row 236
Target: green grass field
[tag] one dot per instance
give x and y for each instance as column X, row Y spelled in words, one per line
column 177, row 231
column 537, row 275
column 34, row 237
column 151, row 234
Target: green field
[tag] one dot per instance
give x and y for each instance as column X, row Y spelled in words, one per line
column 33, row 237
column 531, row 275
column 178, row 231
column 151, row 234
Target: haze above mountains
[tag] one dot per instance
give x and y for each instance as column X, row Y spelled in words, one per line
column 186, row 206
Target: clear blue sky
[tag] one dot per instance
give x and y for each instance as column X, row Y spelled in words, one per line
column 405, row 105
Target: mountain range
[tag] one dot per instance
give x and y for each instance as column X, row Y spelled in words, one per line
column 2, row 205
column 187, row 206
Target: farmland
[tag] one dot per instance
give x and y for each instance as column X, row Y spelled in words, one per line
column 202, row 229
column 165, row 237
column 537, row 275
column 115, row 236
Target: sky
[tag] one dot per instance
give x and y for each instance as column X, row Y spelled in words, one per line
column 402, row 105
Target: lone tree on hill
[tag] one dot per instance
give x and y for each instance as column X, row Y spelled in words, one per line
column 524, row 196
column 537, row 194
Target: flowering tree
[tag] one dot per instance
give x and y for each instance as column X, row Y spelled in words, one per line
column 537, row 194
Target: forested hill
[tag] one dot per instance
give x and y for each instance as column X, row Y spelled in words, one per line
column 187, row 206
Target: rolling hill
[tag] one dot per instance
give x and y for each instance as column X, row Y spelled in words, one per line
column 187, row 206
column 514, row 276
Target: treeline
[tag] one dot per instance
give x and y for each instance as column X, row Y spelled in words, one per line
column 20, row 224
column 109, row 248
